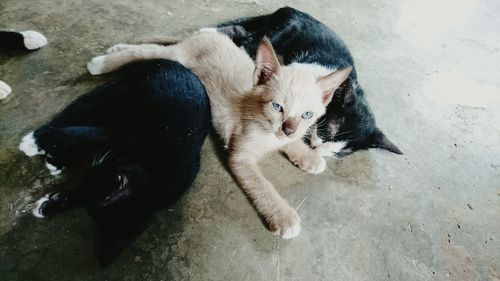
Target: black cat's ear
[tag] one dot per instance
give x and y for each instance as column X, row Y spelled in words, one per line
column 349, row 93
column 331, row 82
column 379, row 140
column 266, row 62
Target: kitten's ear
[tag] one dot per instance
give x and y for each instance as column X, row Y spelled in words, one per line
column 329, row 83
column 266, row 62
column 349, row 94
column 379, row 140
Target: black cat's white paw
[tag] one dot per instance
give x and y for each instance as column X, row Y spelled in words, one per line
column 5, row 90
column 29, row 147
column 97, row 65
column 53, row 170
column 331, row 149
column 39, row 205
column 33, row 40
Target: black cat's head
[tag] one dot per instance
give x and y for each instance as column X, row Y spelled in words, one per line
column 350, row 122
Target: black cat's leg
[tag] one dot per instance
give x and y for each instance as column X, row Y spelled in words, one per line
column 27, row 40
column 248, row 32
column 250, row 24
column 61, row 145
column 11, row 40
column 56, row 202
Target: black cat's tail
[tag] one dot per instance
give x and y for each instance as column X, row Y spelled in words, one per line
column 25, row 40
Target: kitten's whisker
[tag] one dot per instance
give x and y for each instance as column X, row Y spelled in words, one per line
column 105, row 156
column 94, row 159
column 343, row 133
column 320, row 122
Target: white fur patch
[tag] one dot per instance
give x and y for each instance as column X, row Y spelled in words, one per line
column 96, row 65
column 331, row 148
column 33, row 40
column 36, row 210
column 29, row 147
column 5, row 90
column 208, row 29
column 53, row 169
column 290, row 232
column 336, row 147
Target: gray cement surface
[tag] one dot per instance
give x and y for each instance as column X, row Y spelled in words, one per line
column 431, row 73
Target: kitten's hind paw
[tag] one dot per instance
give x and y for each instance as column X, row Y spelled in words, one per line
column 51, row 204
column 33, row 40
column 118, row 48
column 286, row 223
column 29, row 147
column 39, row 205
column 53, row 170
column 97, row 65
column 5, row 90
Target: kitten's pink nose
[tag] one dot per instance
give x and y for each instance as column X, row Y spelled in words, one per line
column 289, row 126
column 288, row 131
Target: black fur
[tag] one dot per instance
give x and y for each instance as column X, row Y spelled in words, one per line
column 148, row 126
column 12, row 40
column 298, row 37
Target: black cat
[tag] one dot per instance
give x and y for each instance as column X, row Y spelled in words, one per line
column 143, row 132
column 25, row 40
column 299, row 38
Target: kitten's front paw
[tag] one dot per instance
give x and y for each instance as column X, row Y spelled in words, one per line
column 33, row 40
column 97, row 65
column 286, row 223
column 50, row 204
column 29, row 147
column 53, row 170
column 331, row 149
column 312, row 162
column 118, row 48
column 5, row 90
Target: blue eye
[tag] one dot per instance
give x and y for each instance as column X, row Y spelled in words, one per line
column 277, row 107
column 307, row 115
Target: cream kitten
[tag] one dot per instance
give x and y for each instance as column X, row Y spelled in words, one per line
column 256, row 108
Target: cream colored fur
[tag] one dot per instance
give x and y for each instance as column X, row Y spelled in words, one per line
column 242, row 95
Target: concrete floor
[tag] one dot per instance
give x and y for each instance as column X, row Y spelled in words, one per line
column 431, row 72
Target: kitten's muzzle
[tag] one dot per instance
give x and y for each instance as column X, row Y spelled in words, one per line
column 290, row 125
